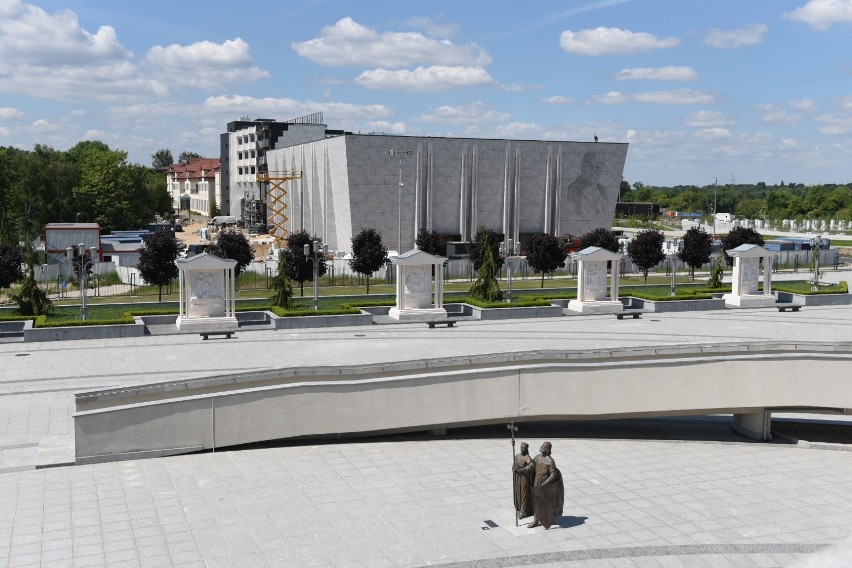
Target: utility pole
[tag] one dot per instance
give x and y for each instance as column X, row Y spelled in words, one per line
column 715, row 185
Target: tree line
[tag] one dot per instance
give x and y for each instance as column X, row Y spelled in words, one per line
column 88, row 183
column 749, row 201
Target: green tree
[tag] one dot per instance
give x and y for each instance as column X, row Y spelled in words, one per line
column 298, row 268
column 162, row 158
column 646, row 250
column 623, row 190
column 716, row 272
column 157, row 260
column 368, row 253
column 79, row 267
column 697, row 245
column 486, row 287
column 213, row 210
column 106, row 188
column 545, row 253
column 31, row 300
column 283, row 297
column 740, row 236
column 476, row 248
column 429, row 241
column 186, row 156
column 600, row 237
column 10, row 265
column 233, row 245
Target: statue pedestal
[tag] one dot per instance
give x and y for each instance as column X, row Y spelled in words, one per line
column 596, row 307
column 749, row 300
column 199, row 325
column 418, row 314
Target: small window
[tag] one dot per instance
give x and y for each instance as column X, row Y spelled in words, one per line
column 239, row 155
column 252, row 169
column 251, row 136
column 240, row 170
column 252, row 154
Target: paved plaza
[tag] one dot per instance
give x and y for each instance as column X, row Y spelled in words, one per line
column 663, row 492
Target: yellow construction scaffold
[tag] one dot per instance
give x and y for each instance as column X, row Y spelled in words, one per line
column 275, row 204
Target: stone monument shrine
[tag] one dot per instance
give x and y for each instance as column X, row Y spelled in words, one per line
column 207, row 285
column 746, row 277
column 591, row 282
column 415, row 287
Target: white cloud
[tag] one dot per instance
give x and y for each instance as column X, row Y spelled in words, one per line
column 519, row 130
column 557, row 100
column 435, row 78
column 31, row 36
column 44, row 126
column 388, row 127
column 473, row 113
column 777, row 115
column 676, row 97
column 807, row 105
column 606, row 41
column 205, row 64
column 239, row 105
column 9, row 113
column 518, row 87
column 707, row 119
column 433, row 28
column 668, row 73
column 349, row 43
column 789, row 143
column 713, row 133
column 846, row 102
column 821, row 14
column 835, row 124
column 752, row 34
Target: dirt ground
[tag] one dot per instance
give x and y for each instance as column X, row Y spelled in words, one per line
column 260, row 244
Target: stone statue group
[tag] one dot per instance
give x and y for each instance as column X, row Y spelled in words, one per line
column 539, row 491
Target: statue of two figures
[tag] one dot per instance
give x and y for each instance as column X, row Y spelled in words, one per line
column 539, row 490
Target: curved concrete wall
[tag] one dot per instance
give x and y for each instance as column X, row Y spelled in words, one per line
column 287, row 403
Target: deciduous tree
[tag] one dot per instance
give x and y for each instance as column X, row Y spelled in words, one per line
column 697, row 245
column 545, row 253
column 368, row 253
column 429, row 241
column 186, row 156
column 157, row 260
column 600, row 237
column 10, row 265
column 298, row 268
column 233, row 245
column 646, row 250
column 162, row 158
column 740, row 236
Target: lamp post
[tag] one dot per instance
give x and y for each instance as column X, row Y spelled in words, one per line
column 816, row 245
column 399, row 153
column 81, row 252
column 675, row 250
column 508, row 250
column 715, row 185
column 314, row 254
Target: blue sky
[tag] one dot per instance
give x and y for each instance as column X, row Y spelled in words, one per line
column 759, row 90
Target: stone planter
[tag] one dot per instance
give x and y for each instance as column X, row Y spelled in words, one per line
column 551, row 311
column 35, row 334
column 814, row 299
column 632, row 302
column 304, row 322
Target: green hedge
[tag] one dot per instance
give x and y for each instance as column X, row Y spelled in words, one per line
column 42, row 321
column 338, row 311
column 804, row 288
column 517, row 303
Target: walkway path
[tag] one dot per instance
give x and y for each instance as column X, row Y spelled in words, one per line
column 658, row 493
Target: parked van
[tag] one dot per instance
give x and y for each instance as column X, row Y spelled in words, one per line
column 223, row 221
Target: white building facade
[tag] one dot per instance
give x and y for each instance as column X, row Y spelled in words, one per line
column 449, row 185
column 198, row 179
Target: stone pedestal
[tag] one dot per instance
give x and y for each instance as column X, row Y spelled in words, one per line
column 207, row 286
column 592, row 284
column 745, row 283
column 415, row 287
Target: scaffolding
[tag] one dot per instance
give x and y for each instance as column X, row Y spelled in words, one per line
column 275, row 202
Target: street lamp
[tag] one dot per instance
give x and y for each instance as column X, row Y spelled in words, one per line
column 816, row 245
column 508, row 250
column 675, row 250
column 399, row 153
column 81, row 252
column 715, row 185
column 319, row 252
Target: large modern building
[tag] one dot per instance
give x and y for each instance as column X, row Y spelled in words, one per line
column 400, row 184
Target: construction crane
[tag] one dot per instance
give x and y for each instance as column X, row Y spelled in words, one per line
column 275, row 204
